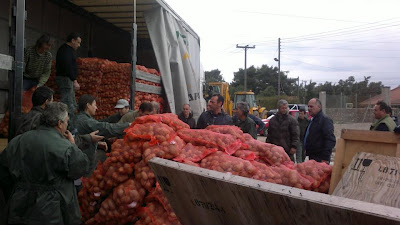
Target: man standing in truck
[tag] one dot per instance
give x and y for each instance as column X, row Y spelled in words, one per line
column 67, row 71
column 37, row 63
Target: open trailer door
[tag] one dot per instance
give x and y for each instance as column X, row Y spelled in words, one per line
column 178, row 56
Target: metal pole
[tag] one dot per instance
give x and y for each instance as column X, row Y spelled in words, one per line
column 17, row 35
column 245, row 69
column 279, row 68
column 134, row 57
column 298, row 88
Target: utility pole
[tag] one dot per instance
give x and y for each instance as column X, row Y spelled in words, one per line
column 245, row 63
column 279, row 67
column 298, row 88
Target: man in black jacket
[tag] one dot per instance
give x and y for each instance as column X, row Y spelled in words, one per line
column 303, row 123
column 215, row 116
column 67, row 72
column 284, row 130
column 187, row 116
column 319, row 139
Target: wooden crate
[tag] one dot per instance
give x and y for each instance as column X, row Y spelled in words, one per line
column 355, row 141
column 205, row 197
column 371, row 178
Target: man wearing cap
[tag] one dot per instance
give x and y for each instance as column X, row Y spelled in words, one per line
column 123, row 108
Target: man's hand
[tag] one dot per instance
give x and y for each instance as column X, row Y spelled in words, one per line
column 76, row 85
column 292, row 151
column 68, row 135
column 102, row 145
column 96, row 138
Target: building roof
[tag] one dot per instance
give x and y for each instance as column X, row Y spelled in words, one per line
column 394, row 98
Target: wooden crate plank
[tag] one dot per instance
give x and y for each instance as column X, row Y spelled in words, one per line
column 337, row 165
column 372, row 178
column 398, row 151
column 147, row 76
column 370, row 136
column 200, row 196
column 148, row 88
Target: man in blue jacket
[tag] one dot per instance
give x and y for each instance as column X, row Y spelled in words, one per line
column 319, row 139
column 215, row 116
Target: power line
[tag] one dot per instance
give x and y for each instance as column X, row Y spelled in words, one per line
column 338, row 48
column 299, row 16
column 353, row 56
column 340, row 31
column 337, row 69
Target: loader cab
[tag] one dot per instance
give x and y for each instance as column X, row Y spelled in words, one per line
column 246, row 96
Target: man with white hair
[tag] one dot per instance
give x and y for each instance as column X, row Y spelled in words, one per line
column 284, row 130
column 43, row 165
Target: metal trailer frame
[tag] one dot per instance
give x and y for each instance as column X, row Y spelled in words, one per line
column 15, row 62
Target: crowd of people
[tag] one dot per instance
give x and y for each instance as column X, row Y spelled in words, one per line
column 41, row 167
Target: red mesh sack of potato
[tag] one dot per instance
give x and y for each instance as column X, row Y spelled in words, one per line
column 121, row 205
column 246, row 154
column 110, row 213
column 265, row 173
column 153, row 132
column 26, row 107
column 129, row 194
column 124, row 152
column 314, row 171
column 169, row 119
column 93, row 192
column 158, row 195
column 292, row 178
column 274, row 155
column 190, row 163
column 226, row 129
column 210, row 139
column 324, row 186
column 144, row 175
column 223, row 162
column 154, row 214
column 194, row 153
column 166, row 149
column 116, row 172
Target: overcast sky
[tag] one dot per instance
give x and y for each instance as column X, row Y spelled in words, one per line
column 320, row 40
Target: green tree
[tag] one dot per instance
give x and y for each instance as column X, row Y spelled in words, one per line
column 260, row 78
column 213, row 76
column 268, row 92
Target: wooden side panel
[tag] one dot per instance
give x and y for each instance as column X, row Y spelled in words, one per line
column 372, row 178
column 199, row 196
column 337, row 165
column 370, row 136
